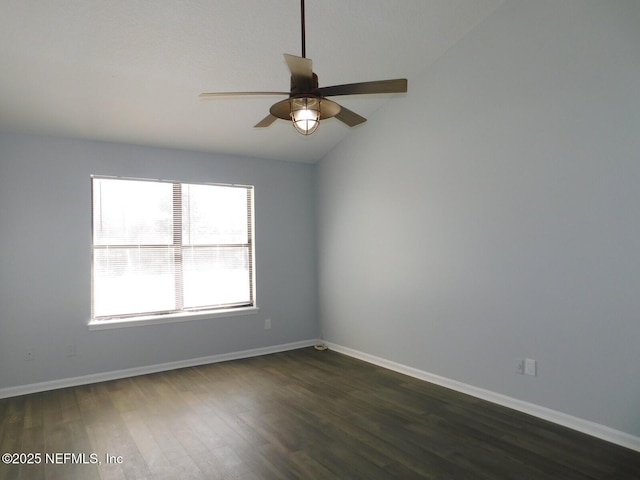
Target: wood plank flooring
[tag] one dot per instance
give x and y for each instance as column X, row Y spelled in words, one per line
column 300, row 414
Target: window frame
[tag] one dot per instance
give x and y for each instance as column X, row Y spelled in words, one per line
column 182, row 314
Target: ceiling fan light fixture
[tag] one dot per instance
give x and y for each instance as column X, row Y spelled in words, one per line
column 305, row 114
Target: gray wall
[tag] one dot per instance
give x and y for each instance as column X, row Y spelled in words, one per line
column 494, row 213
column 45, row 239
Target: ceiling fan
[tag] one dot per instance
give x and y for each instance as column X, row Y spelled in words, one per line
column 307, row 104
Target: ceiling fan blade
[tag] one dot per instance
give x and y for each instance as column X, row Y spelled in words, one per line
column 398, row 85
column 349, row 117
column 300, row 67
column 266, row 121
column 235, row 94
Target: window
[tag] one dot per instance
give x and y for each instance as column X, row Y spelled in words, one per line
column 164, row 248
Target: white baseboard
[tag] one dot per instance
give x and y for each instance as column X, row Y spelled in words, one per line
column 585, row 426
column 162, row 367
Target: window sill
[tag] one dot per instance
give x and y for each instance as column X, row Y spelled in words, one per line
column 171, row 318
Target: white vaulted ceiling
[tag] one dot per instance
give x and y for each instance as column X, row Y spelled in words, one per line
column 131, row 70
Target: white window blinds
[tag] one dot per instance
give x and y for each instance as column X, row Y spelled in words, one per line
column 167, row 247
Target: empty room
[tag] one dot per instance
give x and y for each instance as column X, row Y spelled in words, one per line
column 324, row 239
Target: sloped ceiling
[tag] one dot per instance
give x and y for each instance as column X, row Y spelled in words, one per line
column 131, row 71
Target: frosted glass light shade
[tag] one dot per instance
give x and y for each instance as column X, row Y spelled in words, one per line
column 305, row 114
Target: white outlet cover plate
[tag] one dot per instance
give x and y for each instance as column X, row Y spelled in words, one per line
column 529, row 366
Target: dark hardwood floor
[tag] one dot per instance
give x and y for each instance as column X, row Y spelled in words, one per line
column 300, row 414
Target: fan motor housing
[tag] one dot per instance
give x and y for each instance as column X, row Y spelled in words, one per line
column 301, row 85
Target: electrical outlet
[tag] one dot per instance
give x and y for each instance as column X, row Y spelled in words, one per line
column 29, row 353
column 520, row 366
column 70, row 350
column 267, row 323
column 530, row 366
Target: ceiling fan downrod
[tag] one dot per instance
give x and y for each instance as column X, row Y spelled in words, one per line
column 304, row 49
